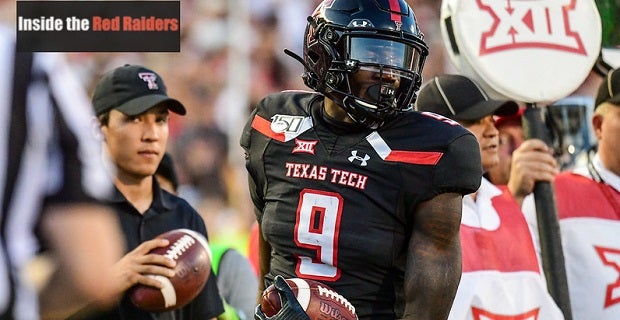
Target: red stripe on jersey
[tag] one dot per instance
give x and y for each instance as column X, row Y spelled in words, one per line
column 264, row 126
column 415, row 157
column 395, row 7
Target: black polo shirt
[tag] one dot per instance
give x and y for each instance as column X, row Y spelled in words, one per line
column 167, row 212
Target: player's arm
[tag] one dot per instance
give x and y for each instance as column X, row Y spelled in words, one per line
column 256, row 183
column 264, row 260
column 433, row 269
column 82, row 256
column 83, row 237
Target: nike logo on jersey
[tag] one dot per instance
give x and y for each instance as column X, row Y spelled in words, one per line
column 611, row 258
column 480, row 314
column 363, row 160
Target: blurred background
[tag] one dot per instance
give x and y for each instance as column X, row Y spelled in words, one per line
column 231, row 56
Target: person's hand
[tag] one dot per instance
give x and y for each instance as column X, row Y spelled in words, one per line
column 135, row 266
column 291, row 309
column 532, row 162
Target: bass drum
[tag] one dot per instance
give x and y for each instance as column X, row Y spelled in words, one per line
column 529, row 51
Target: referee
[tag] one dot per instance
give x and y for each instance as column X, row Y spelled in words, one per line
column 51, row 175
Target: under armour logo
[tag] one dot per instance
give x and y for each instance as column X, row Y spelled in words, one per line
column 361, row 23
column 387, row 91
column 150, row 78
column 354, row 156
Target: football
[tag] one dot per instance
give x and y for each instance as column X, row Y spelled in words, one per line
column 191, row 252
column 319, row 301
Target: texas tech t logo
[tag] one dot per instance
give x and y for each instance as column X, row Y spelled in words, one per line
column 530, row 24
column 150, row 78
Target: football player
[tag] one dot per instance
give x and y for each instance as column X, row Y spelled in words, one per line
column 352, row 188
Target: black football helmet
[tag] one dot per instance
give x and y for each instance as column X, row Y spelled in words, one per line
column 381, row 36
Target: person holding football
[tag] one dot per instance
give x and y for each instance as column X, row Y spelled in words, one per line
column 132, row 106
column 236, row 280
column 350, row 187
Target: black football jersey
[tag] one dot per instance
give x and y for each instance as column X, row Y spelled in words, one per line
column 338, row 207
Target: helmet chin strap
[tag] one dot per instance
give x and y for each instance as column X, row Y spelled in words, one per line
column 381, row 92
column 363, row 119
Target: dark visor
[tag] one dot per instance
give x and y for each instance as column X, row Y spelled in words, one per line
column 384, row 52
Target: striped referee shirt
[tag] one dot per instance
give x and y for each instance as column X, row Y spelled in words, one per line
column 48, row 154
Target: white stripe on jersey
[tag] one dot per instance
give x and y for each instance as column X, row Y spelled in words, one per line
column 380, row 146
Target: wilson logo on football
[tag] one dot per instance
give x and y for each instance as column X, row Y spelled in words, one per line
column 361, row 23
column 525, row 24
column 304, row 146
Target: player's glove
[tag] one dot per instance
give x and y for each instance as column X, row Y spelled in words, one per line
column 291, row 309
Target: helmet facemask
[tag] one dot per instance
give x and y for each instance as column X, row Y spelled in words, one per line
column 372, row 74
column 379, row 79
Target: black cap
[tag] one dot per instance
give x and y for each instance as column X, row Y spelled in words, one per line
column 609, row 91
column 460, row 98
column 132, row 89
